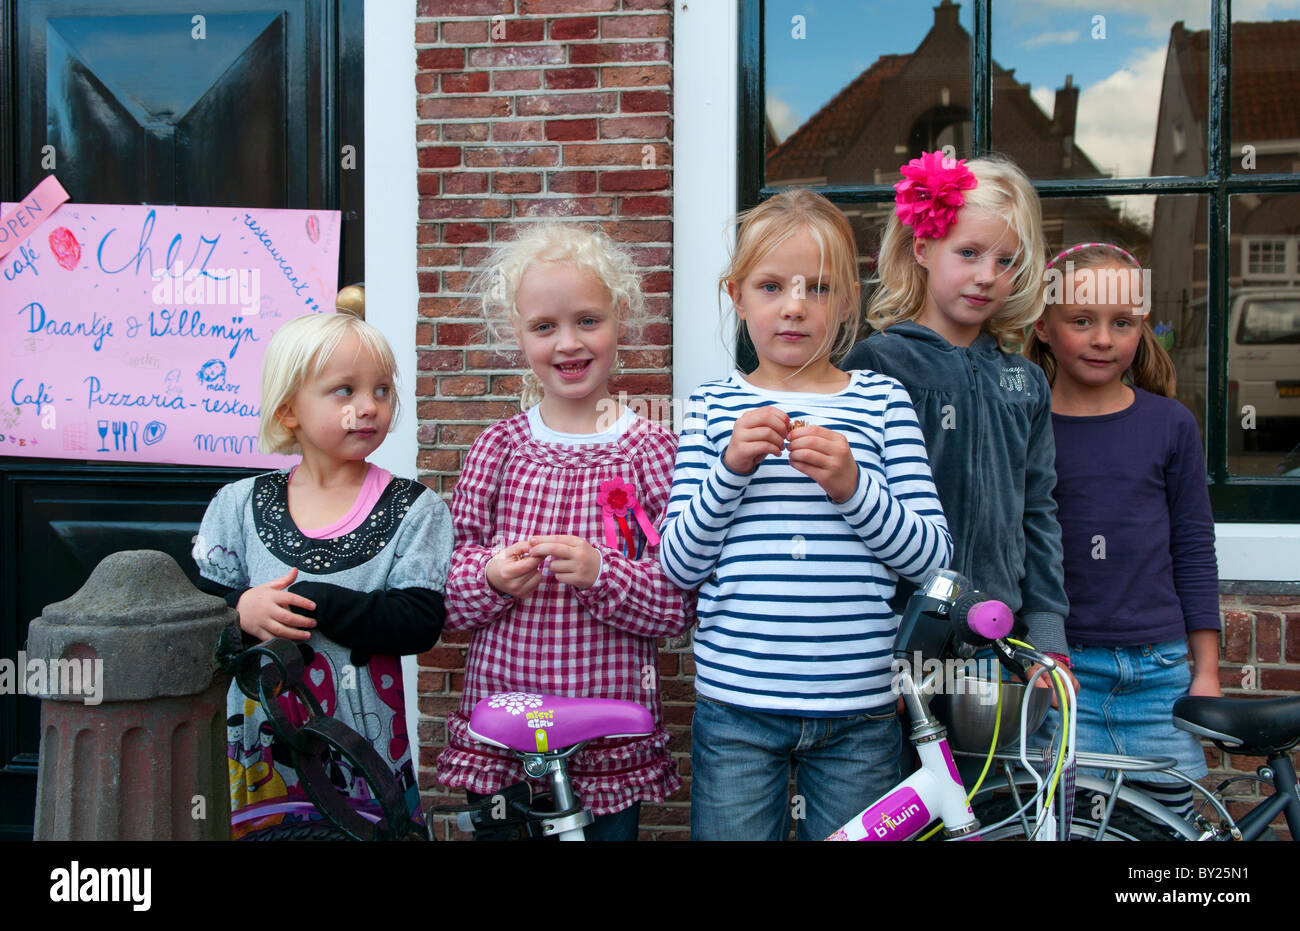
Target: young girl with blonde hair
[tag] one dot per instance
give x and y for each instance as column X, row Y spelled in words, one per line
column 335, row 553
column 555, row 572
column 961, row 276
column 1140, row 567
column 800, row 495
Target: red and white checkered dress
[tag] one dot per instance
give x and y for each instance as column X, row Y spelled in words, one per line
column 598, row 643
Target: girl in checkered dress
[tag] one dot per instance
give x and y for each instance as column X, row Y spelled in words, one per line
column 555, row 574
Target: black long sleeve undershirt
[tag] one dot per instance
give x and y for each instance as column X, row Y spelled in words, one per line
column 396, row 622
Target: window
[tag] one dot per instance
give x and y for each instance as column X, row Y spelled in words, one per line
column 1131, row 133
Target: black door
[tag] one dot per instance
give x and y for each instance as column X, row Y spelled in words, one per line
column 238, row 103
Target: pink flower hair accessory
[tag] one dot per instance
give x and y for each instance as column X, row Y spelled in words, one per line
column 618, row 505
column 930, row 193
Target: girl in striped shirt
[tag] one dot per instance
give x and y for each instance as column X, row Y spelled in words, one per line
column 800, row 494
column 555, row 572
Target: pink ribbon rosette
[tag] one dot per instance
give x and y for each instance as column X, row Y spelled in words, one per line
column 930, row 193
column 619, row 508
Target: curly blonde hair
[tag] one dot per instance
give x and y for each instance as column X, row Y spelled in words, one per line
column 1004, row 191
column 761, row 229
column 497, row 283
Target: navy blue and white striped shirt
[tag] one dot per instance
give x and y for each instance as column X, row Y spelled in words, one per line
column 794, row 588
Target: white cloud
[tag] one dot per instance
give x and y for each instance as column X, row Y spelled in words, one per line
column 1064, row 37
column 1116, row 125
column 782, row 117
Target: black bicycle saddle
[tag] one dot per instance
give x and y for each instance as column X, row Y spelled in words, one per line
column 1257, row 726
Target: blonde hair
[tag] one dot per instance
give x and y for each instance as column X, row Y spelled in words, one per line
column 765, row 227
column 1003, row 191
column 297, row 353
column 591, row 251
column 1152, row 369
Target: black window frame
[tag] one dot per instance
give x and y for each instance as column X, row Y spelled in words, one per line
column 1235, row 498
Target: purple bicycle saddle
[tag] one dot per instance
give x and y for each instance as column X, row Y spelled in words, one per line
column 532, row 723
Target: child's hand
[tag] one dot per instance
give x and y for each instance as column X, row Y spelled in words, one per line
column 264, row 610
column 1045, row 680
column 756, row 435
column 1206, row 684
column 824, row 456
column 574, row 561
column 513, row 571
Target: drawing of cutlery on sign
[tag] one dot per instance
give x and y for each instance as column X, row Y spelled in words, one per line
column 126, row 434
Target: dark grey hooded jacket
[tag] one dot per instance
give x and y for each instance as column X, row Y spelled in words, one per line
column 987, row 420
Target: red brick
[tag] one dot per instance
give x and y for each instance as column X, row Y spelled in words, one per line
column 439, row 209
column 428, row 184
column 644, row 385
column 1292, row 637
column 438, row 108
column 570, row 130
column 512, row 157
column 646, row 4
column 466, row 410
column 432, row 9
column 635, row 27
column 428, row 132
column 459, row 334
column 519, row 131
column 648, row 257
column 567, row 103
column 464, row 232
column 442, row 658
column 634, row 127
column 516, row 80
column 1286, row 680
column 430, row 156
column 437, row 258
column 438, row 460
column 461, row 386
column 567, row 6
column 509, row 386
column 659, row 334
column 465, row 182
column 463, row 33
column 636, row 76
column 426, row 387
column 440, row 59
column 457, row 637
column 440, row 360
column 516, row 182
column 646, row 359
column 647, row 206
column 475, row 82
column 571, row 182
column 476, row 359
column 427, row 282
column 465, row 132
column 426, row 83
column 524, row 30
column 431, row 681
column 459, row 435
column 423, row 334
column 571, row 78
column 618, row 51
column 507, row 56
column 1236, row 636
column 577, row 27
column 640, row 231
column 565, row 207
column 1268, row 637
column 633, row 101
column 426, row 33
column 611, row 154
column 1273, row 599
column 635, row 180
column 438, row 704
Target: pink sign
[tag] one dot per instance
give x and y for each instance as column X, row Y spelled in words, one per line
column 136, row 333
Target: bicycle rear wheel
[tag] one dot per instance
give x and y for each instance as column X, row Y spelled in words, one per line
column 1125, row 824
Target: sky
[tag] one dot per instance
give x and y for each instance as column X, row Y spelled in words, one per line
column 1119, row 76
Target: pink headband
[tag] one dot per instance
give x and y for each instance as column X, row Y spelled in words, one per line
column 928, row 197
column 1089, row 245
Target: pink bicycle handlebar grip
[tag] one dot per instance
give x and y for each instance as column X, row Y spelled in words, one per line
column 990, row 619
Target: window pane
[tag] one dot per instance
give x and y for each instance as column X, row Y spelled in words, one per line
column 854, row 89
column 1159, row 232
column 1264, row 335
column 1078, row 93
column 1265, row 88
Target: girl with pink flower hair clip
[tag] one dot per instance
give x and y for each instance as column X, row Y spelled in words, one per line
column 555, row 573
column 961, row 279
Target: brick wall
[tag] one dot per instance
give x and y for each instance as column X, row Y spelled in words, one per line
column 531, row 110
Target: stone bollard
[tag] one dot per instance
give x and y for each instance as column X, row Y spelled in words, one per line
column 133, row 712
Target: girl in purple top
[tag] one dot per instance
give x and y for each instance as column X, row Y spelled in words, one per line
column 1140, row 568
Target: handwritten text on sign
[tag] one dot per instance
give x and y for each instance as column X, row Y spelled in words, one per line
column 136, row 334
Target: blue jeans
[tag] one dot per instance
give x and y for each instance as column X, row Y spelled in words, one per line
column 1126, row 701
column 741, row 762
